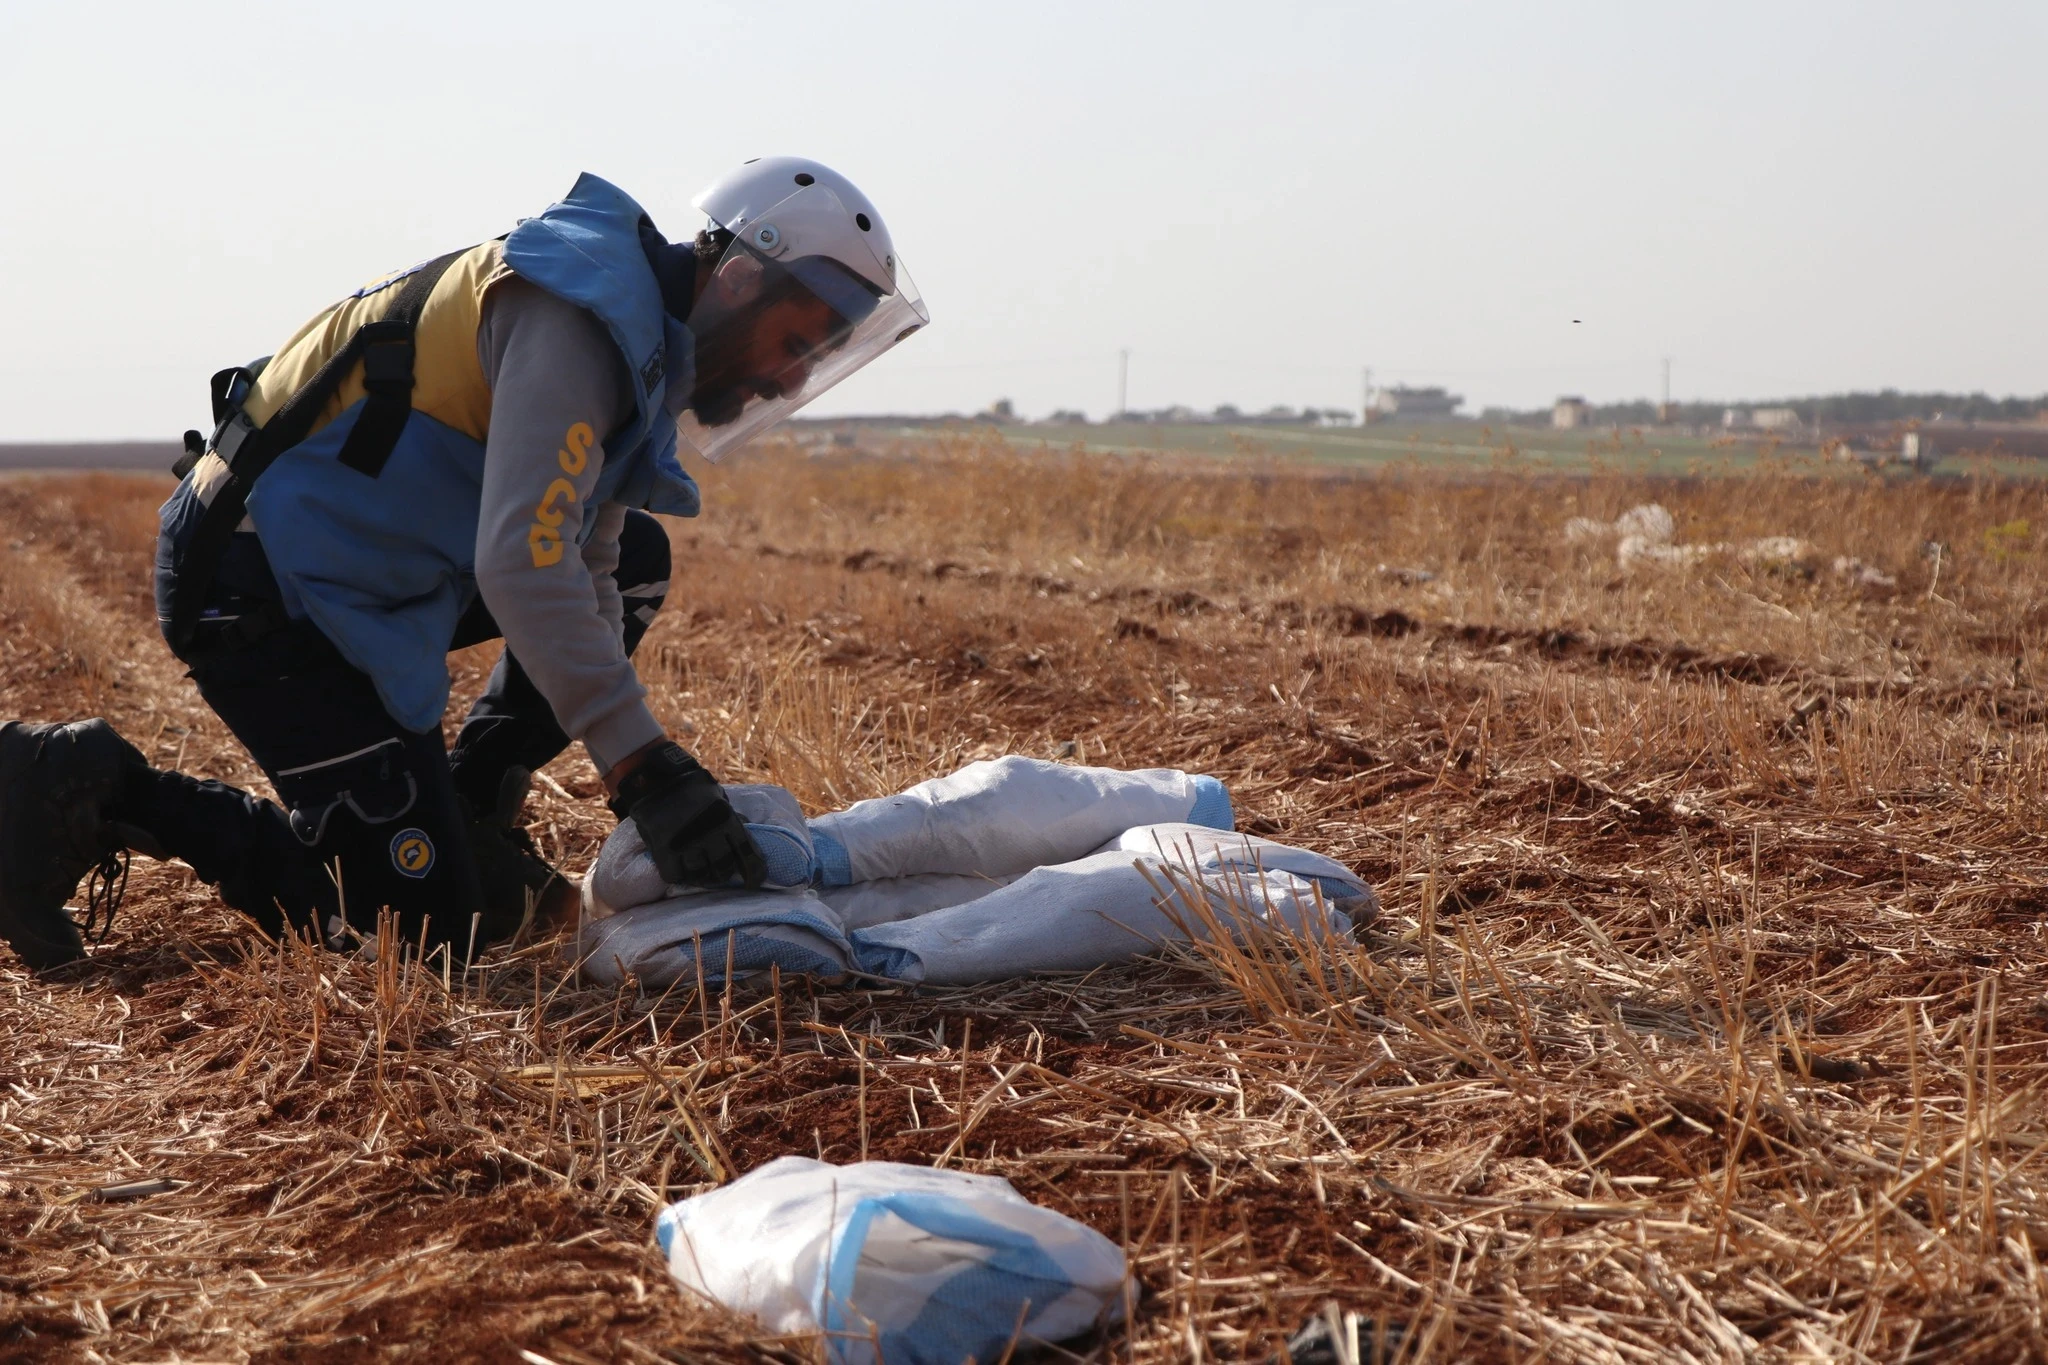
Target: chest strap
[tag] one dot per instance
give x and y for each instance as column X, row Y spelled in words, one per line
column 385, row 347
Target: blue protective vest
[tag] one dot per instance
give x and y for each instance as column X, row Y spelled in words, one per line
column 385, row 566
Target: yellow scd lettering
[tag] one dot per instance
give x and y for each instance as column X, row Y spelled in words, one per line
column 544, row 537
column 575, row 452
column 547, row 513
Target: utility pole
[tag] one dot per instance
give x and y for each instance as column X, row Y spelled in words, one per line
column 1123, row 381
column 1365, row 397
column 1664, row 411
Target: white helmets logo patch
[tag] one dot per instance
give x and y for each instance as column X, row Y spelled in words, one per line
column 412, row 853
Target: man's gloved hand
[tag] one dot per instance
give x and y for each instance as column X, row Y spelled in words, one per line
column 691, row 831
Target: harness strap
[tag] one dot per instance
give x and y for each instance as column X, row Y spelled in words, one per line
column 386, row 349
column 387, row 383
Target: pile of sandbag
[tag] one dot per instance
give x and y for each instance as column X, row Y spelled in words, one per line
column 1007, row 867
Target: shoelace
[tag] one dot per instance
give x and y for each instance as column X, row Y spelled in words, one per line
column 105, row 885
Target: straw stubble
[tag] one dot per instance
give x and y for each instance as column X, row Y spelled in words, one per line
column 1702, row 1021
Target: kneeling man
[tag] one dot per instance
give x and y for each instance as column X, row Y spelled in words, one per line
column 465, row 450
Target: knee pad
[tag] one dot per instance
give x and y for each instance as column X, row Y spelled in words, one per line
column 368, row 804
column 387, row 812
column 374, row 786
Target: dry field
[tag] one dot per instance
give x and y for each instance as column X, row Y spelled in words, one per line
column 1706, row 1019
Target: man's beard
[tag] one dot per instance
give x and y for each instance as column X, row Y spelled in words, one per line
column 720, row 399
column 721, row 395
column 718, row 402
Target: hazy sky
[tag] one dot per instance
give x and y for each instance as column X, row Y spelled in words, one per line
column 1257, row 199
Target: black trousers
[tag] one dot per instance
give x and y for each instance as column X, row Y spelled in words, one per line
column 373, row 814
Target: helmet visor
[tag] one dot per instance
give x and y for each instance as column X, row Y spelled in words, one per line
column 778, row 325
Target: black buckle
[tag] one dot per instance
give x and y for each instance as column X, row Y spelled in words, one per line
column 231, row 435
column 388, row 366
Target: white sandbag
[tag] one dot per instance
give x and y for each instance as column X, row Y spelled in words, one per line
column 1111, row 907
column 624, row 875
column 1212, row 851
column 895, row 1263
column 865, row 904
column 1004, row 816
column 658, row 943
column 991, row 821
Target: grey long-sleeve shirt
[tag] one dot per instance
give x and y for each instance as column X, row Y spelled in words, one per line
column 558, row 389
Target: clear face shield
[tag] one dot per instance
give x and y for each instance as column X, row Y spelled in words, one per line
column 781, row 321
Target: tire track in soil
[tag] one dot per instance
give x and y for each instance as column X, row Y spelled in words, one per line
column 1643, row 659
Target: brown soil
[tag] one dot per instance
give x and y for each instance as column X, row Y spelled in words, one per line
column 1705, row 1020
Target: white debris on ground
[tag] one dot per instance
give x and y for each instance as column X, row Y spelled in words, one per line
column 1643, row 536
column 1634, row 550
column 1640, row 535
column 1868, row 577
column 1774, row 552
column 1648, row 522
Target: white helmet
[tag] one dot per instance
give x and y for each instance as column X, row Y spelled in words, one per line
column 794, row 223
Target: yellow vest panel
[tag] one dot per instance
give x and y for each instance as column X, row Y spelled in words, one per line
column 448, row 380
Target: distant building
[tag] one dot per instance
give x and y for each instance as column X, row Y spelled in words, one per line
column 1570, row 414
column 1413, row 405
column 1913, row 451
column 1760, row 419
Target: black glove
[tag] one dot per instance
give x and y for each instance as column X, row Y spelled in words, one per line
column 690, row 829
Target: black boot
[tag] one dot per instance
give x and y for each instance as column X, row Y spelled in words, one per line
column 517, row 881
column 56, row 783
column 236, row 841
